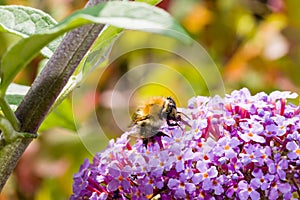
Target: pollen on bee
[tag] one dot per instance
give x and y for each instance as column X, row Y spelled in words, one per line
column 155, row 100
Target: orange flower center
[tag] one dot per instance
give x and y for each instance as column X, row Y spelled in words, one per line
column 181, row 185
column 227, row 147
column 179, row 157
column 249, row 189
column 215, row 182
column 274, row 185
column 205, row 157
column 120, row 178
column 199, row 144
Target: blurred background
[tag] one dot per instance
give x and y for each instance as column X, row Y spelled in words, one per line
column 253, row 43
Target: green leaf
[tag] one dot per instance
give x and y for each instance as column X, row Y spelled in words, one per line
column 61, row 116
column 151, row 2
column 9, row 104
column 25, row 21
column 129, row 15
column 134, row 16
column 96, row 57
column 15, row 94
column 100, row 50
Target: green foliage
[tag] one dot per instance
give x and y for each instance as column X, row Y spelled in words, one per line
column 102, row 47
column 151, row 2
column 26, row 21
column 91, row 60
column 38, row 30
column 61, row 116
column 236, row 34
column 15, row 94
column 129, row 15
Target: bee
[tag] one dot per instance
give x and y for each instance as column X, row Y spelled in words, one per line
column 153, row 114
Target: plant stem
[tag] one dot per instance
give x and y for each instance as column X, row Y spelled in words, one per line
column 45, row 89
column 6, row 128
column 9, row 114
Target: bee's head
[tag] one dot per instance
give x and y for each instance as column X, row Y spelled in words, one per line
column 170, row 110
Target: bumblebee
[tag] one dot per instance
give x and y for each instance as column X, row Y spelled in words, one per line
column 153, row 114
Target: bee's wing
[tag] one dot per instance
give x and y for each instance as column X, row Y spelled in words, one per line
column 133, row 120
column 137, row 117
column 134, row 135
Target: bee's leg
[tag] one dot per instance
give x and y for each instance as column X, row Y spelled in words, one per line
column 161, row 134
column 157, row 138
column 142, row 131
column 144, row 138
column 172, row 124
column 145, row 142
column 176, row 122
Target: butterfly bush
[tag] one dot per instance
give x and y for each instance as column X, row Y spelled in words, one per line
column 237, row 147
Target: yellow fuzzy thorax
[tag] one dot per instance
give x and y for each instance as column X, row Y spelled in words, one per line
column 153, row 106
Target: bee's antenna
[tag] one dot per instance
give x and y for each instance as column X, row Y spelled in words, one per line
column 183, row 114
column 183, row 121
column 179, row 126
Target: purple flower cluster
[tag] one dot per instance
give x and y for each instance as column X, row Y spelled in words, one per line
column 238, row 147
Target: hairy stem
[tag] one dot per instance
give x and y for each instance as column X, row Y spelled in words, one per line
column 45, row 89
